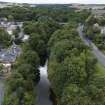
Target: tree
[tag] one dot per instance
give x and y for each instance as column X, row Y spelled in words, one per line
column 91, row 20
column 74, row 95
column 10, row 18
column 30, row 57
column 5, row 38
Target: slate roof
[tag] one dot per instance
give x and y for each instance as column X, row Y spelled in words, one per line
column 10, row 54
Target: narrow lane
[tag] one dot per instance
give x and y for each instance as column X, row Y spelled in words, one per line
column 1, row 91
column 99, row 55
column 43, row 88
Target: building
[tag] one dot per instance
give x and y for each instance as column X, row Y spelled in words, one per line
column 8, row 56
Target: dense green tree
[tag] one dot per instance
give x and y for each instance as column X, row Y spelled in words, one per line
column 29, row 57
column 74, row 95
column 10, row 18
column 72, row 68
column 5, row 38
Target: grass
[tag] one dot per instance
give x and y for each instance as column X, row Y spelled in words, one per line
column 100, row 69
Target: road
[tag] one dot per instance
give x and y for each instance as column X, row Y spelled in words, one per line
column 99, row 55
column 1, row 91
column 43, row 88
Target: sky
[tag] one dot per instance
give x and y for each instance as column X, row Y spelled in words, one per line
column 57, row 1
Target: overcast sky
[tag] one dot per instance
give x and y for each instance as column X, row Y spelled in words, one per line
column 58, row 1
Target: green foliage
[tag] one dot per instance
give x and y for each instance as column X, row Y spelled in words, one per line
column 40, row 32
column 72, row 70
column 74, row 95
column 24, row 78
column 29, row 57
column 91, row 20
column 93, row 32
column 17, row 13
column 79, row 16
column 10, row 18
column 5, row 38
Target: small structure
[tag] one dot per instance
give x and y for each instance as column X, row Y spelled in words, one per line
column 96, row 25
column 25, row 38
column 7, row 68
column 8, row 56
column 103, row 30
column 9, row 26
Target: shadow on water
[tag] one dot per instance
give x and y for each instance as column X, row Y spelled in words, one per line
column 44, row 96
column 53, row 97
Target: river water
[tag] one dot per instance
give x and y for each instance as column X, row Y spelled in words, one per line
column 43, row 87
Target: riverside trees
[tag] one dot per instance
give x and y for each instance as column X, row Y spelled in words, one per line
column 5, row 38
column 94, row 30
column 25, row 74
column 40, row 32
column 72, row 69
column 24, row 77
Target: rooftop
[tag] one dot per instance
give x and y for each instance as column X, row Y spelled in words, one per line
column 10, row 55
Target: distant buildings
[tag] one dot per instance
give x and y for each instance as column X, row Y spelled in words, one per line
column 98, row 12
column 10, row 4
column 87, row 6
column 97, row 9
column 9, row 26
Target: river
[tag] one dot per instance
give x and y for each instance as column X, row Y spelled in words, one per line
column 43, row 87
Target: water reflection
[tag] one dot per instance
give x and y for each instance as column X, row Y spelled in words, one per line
column 43, row 88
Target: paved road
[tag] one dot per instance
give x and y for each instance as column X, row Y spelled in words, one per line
column 99, row 55
column 43, row 87
column 1, row 91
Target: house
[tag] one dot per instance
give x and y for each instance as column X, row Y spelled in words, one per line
column 6, row 67
column 8, row 56
column 103, row 30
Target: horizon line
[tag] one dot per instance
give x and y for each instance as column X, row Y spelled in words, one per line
column 52, row 3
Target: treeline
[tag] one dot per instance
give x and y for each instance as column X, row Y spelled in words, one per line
column 72, row 70
column 40, row 32
column 48, row 39
column 20, row 86
column 25, row 75
column 5, row 39
column 58, row 13
column 28, row 13
column 93, row 30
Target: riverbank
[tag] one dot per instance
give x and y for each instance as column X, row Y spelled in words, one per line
column 53, row 97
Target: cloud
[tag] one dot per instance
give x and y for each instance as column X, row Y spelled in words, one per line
column 58, row 1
